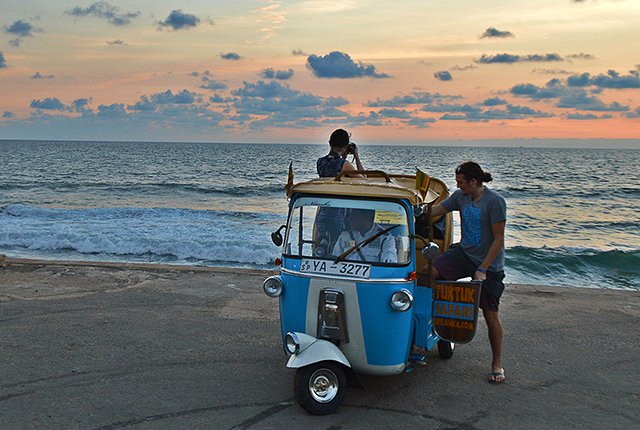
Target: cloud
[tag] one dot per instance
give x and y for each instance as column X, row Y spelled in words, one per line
column 420, row 122
column 580, row 100
column 634, row 114
column 231, row 56
column 272, row 15
column 581, row 56
column 21, row 29
column 181, row 97
column 38, row 75
column 3, row 62
column 144, row 104
column 569, row 95
column 510, row 113
column 299, row 53
column 49, row 103
column 588, row 116
column 611, row 80
column 116, row 42
column 553, row 89
column 81, row 105
column 103, row 10
column 265, row 90
column 395, row 113
column 443, row 75
column 115, row 110
column 212, row 84
column 167, row 98
column 450, row 107
column 511, row 58
column 495, row 101
column 493, row 32
column 274, row 104
column 8, row 114
column 412, row 99
column 178, row 20
column 463, row 68
column 270, row 73
column 217, row 98
column 340, row 65
column 551, row 72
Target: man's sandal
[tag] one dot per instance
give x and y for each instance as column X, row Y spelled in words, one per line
column 497, row 376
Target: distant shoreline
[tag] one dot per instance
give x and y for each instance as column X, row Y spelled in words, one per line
column 539, row 143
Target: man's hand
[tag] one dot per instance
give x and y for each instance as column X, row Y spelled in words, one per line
column 480, row 276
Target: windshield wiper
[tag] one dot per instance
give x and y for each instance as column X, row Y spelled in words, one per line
column 363, row 243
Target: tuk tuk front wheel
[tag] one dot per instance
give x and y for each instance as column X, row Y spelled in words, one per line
column 320, row 388
column 445, row 348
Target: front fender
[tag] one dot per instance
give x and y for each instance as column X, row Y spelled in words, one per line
column 318, row 350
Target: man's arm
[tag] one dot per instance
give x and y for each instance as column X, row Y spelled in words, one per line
column 498, row 243
column 438, row 210
column 389, row 253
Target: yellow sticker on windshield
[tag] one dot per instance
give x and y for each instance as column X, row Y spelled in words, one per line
column 388, row 217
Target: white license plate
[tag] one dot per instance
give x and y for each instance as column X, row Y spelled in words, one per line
column 341, row 268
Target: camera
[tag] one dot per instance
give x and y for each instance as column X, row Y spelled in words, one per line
column 351, row 148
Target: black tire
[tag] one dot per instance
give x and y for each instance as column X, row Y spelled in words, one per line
column 445, row 349
column 327, row 393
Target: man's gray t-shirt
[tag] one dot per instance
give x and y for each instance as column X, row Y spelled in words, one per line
column 476, row 219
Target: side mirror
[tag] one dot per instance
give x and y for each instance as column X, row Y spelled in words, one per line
column 431, row 251
column 276, row 236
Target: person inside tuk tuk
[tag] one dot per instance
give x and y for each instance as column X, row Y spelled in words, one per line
column 362, row 227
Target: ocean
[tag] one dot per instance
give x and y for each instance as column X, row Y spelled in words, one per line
column 573, row 214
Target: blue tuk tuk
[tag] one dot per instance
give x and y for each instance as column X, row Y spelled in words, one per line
column 344, row 309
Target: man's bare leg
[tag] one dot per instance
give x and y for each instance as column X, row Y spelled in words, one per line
column 494, row 326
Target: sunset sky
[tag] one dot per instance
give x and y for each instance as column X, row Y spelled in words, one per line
column 413, row 71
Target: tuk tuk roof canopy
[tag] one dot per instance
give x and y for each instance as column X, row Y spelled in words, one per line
column 376, row 184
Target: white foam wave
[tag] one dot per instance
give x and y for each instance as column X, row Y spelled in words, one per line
column 178, row 235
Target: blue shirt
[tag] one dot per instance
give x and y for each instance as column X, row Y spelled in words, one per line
column 329, row 166
column 476, row 219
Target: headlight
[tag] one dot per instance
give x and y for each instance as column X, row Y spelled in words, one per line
column 292, row 342
column 401, row 300
column 273, row 286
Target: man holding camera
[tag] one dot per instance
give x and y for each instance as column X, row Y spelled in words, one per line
column 336, row 161
column 330, row 220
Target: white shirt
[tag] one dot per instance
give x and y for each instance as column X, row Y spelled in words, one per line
column 382, row 249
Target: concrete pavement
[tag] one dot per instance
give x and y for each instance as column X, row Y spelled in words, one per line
column 151, row 347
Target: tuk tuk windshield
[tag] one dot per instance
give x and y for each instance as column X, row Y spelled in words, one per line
column 370, row 231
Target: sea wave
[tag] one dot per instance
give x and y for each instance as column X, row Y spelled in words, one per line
column 153, row 235
column 579, row 267
column 227, row 189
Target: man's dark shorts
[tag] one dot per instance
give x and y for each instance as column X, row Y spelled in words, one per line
column 453, row 264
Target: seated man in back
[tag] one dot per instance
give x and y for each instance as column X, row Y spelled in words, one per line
column 382, row 249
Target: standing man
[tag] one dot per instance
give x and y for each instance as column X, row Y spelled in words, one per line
column 480, row 253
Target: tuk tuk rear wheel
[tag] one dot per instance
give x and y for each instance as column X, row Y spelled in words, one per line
column 445, row 349
column 320, row 388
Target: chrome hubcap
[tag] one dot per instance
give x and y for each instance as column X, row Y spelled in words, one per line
column 323, row 385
